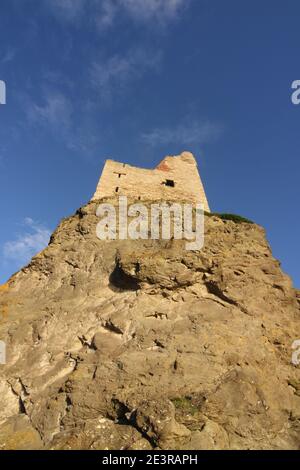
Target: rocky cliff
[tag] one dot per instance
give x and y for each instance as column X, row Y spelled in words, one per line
column 142, row 344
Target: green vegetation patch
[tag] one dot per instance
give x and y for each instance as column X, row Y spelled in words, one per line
column 238, row 219
column 185, row 404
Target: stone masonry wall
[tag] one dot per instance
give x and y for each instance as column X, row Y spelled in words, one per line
column 176, row 178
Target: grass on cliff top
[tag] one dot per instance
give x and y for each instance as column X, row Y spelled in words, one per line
column 238, row 219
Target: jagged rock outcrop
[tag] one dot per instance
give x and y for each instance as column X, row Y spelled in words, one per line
column 142, row 344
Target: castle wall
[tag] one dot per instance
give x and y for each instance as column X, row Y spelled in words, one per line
column 174, row 179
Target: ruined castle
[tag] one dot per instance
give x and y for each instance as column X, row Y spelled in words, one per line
column 176, row 178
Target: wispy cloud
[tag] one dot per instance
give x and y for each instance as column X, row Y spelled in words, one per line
column 193, row 132
column 163, row 10
column 115, row 73
column 58, row 116
column 106, row 15
column 158, row 12
column 8, row 56
column 106, row 12
column 34, row 238
column 67, row 9
column 55, row 111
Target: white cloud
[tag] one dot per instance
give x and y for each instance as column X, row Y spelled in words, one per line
column 105, row 12
column 8, row 56
column 153, row 9
column 67, row 9
column 56, row 112
column 113, row 74
column 59, row 116
column 194, row 132
column 34, row 239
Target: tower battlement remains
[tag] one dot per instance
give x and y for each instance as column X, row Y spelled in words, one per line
column 176, row 178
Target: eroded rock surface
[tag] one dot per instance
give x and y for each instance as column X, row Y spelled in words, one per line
column 143, row 345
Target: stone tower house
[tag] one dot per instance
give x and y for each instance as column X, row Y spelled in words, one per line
column 176, row 178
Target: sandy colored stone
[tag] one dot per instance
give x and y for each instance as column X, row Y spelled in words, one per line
column 121, row 179
column 190, row 350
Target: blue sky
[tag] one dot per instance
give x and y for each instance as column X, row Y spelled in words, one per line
column 135, row 80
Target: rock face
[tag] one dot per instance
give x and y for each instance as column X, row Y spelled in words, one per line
column 142, row 344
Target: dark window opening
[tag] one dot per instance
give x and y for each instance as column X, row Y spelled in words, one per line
column 170, row 183
column 117, row 190
column 119, row 174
